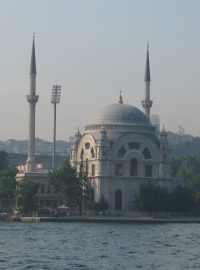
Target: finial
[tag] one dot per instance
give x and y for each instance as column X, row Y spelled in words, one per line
column 78, row 129
column 147, row 45
column 33, row 61
column 120, row 97
column 163, row 132
column 77, row 133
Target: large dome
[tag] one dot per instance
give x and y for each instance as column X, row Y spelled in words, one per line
column 120, row 114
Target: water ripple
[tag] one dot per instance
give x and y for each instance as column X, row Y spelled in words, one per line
column 80, row 246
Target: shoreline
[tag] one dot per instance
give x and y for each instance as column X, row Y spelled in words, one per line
column 111, row 220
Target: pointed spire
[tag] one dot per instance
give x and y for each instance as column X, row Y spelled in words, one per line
column 120, row 98
column 78, row 133
column 163, row 132
column 33, row 62
column 147, row 77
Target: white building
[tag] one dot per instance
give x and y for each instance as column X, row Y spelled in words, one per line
column 121, row 151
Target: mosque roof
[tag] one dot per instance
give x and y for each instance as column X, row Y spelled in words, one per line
column 120, row 114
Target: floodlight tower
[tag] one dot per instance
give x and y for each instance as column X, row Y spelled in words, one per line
column 55, row 99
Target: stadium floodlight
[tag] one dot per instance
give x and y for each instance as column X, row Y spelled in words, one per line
column 55, row 99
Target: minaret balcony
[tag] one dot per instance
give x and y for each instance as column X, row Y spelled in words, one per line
column 32, row 98
column 147, row 103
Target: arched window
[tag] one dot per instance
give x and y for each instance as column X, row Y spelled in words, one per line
column 93, row 170
column 92, row 152
column 92, row 195
column 119, row 169
column 134, row 145
column 86, row 167
column 148, row 171
column 118, row 199
column 82, row 154
column 121, row 152
column 146, row 153
column 133, row 167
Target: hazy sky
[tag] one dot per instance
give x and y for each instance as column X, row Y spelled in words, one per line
column 94, row 49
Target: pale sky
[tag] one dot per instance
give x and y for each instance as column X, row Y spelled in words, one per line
column 94, row 49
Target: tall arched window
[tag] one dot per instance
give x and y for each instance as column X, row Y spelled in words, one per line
column 92, row 152
column 121, row 152
column 82, row 154
column 146, row 153
column 133, row 167
column 86, row 167
column 118, row 199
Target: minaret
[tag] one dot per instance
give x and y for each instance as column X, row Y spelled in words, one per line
column 32, row 99
column 147, row 103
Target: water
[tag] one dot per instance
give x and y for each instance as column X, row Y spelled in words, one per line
column 87, row 246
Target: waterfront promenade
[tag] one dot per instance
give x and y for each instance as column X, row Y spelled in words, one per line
column 97, row 219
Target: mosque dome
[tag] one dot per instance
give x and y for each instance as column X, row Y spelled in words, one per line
column 120, row 114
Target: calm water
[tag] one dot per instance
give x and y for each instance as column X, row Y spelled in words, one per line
column 84, row 246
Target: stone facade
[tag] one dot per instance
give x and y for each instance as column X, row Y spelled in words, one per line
column 121, row 151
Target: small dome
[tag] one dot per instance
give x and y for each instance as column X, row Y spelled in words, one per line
column 120, row 114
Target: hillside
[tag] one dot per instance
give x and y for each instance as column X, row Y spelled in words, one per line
column 181, row 144
column 41, row 146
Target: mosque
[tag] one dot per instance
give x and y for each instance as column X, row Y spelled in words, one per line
column 122, row 150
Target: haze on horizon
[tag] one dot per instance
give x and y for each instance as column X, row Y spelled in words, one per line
column 94, row 49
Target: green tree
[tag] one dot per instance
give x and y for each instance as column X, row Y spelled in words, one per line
column 7, row 182
column 3, row 160
column 182, row 200
column 68, row 184
column 188, row 169
column 101, row 205
column 152, row 198
column 7, row 188
column 26, row 196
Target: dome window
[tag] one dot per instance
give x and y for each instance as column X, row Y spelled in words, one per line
column 134, row 145
column 146, row 153
column 121, row 152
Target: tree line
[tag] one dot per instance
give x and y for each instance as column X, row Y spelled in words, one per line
column 75, row 189
column 183, row 198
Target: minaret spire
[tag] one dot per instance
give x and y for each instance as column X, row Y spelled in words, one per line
column 32, row 99
column 147, row 103
column 147, row 77
column 33, row 62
